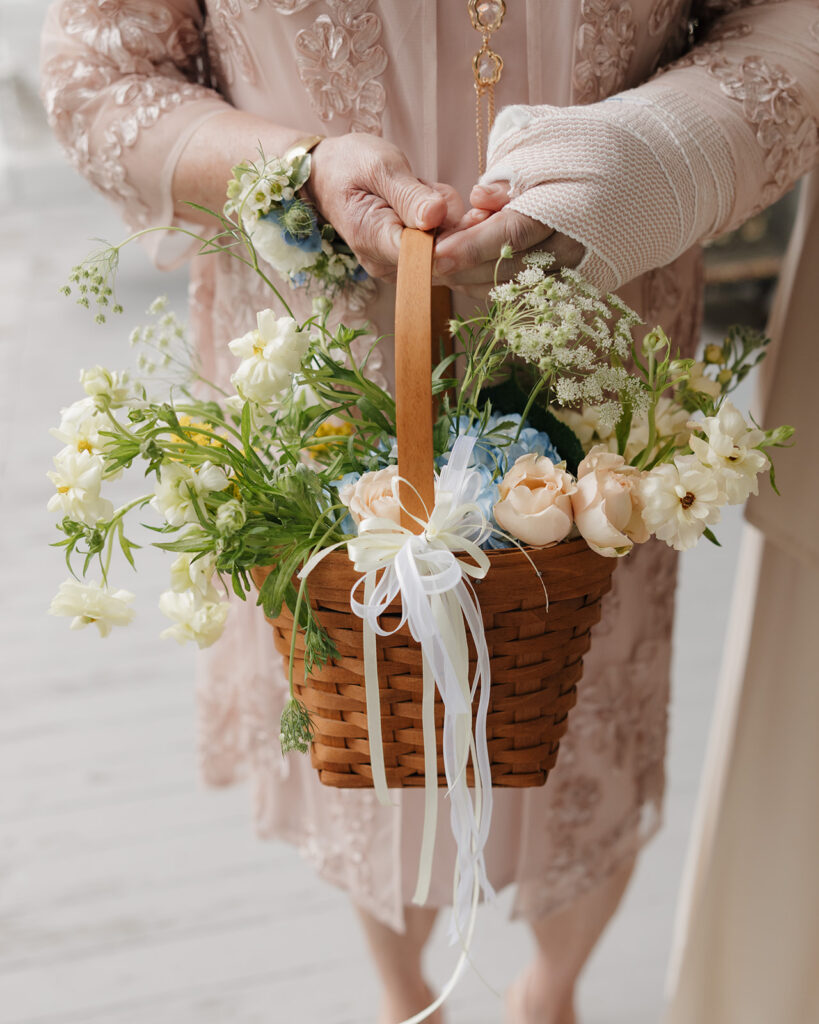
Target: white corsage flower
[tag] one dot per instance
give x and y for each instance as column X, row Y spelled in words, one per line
column 270, row 354
column 730, row 446
column 108, row 386
column 78, row 479
column 194, row 618
column 680, row 499
column 177, row 487
column 90, row 604
column 269, row 242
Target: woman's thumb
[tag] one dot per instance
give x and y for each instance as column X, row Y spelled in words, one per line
column 416, row 204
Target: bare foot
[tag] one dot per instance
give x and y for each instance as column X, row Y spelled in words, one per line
column 397, row 1008
column 521, row 1007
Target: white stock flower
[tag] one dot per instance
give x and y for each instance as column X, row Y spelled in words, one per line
column 78, row 479
column 90, row 604
column 100, row 383
column 730, row 447
column 191, row 573
column 268, row 241
column 80, row 426
column 680, row 499
column 270, row 354
column 194, row 618
column 178, row 484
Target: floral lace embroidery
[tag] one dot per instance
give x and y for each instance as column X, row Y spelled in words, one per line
column 773, row 103
column 339, row 61
column 605, row 44
column 228, row 49
column 126, row 42
column 663, row 13
column 72, row 88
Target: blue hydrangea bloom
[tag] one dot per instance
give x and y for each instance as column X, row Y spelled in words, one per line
column 487, row 453
column 348, row 525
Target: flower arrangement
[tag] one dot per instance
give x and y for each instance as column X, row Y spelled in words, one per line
column 552, row 422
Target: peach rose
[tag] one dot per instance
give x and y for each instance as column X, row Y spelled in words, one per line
column 535, row 501
column 373, row 495
column 607, row 505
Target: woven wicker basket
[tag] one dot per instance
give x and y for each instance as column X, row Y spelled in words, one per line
column 536, row 655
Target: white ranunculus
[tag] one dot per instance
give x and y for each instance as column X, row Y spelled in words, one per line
column 270, row 354
column 680, row 499
column 178, row 484
column 730, row 446
column 80, row 426
column 78, row 479
column 194, row 618
column 268, row 241
column 90, row 604
column 191, row 573
column 108, row 385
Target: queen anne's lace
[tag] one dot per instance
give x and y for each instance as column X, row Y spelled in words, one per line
column 339, row 61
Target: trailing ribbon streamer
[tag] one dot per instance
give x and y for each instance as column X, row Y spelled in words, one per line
column 438, row 604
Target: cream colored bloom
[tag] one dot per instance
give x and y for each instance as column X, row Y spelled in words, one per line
column 587, row 426
column 681, row 498
column 107, row 386
column 191, row 573
column 670, row 420
column 179, row 484
column 607, row 505
column 698, row 380
column 268, row 241
column 730, row 446
column 194, row 618
column 80, row 426
column 77, row 477
column 535, row 501
column 373, row 495
column 270, row 354
column 90, row 604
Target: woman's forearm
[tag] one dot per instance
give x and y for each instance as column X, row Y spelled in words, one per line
column 218, row 144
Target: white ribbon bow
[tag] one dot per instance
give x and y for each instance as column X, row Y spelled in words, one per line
column 431, row 572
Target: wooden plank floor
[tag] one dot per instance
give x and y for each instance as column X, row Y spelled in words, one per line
column 128, row 893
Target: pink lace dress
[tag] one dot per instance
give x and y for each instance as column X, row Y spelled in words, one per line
column 128, row 82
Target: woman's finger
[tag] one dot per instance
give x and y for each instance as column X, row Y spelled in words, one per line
column 566, row 251
column 455, row 206
column 490, row 197
column 465, row 250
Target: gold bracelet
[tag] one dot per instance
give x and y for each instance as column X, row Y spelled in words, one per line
column 302, row 147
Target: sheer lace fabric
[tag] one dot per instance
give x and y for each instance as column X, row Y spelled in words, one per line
column 126, row 84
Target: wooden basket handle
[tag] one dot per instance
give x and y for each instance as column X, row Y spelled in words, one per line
column 421, row 315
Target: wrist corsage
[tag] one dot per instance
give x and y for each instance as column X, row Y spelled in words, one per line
column 283, row 226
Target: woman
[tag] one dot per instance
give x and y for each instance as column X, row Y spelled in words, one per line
column 605, row 165
column 747, row 942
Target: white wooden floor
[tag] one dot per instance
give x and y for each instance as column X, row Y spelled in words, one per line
column 128, row 893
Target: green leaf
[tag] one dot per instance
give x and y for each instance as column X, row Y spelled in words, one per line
column 708, row 533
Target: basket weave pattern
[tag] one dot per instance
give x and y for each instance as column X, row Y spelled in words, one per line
column 536, row 661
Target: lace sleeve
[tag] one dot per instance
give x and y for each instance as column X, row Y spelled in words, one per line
column 119, row 83
column 641, row 176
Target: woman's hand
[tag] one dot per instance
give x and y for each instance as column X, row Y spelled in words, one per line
column 364, row 187
column 466, row 255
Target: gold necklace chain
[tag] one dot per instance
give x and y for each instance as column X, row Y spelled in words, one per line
column 487, row 66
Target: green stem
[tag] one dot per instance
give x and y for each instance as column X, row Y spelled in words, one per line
column 296, row 613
